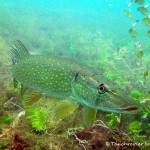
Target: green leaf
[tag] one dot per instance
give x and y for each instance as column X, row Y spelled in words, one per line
column 143, row 10
column 137, row 94
column 140, row 2
column 140, row 54
column 38, row 118
column 114, row 119
column 6, row 120
column 112, row 123
column 133, row 32
column 63, row 109
column 146, row 21
column 129, row 15
column 144, row 116
column 4, row 144
column 135, row 126
column 148, row 32
column 89, row 116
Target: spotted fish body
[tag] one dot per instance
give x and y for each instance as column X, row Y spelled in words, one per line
column 50, row 75
column 63, row 78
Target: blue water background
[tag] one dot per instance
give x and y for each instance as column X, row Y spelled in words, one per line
column 43, row 24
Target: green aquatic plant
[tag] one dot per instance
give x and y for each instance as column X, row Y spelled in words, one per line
column 143, row 10
column 38, row 118
column 129, row 15
column 134, row 131
column 146, row 114
column 114, row 120
column 6, row 120
column 4, row 145
column 137, row 94
column 133, row 32
column 140, row 2
column 148, row 33
column 146, row 21
column 71, row 131
column 140, row 54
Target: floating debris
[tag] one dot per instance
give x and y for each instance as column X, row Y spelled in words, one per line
column 135, row 23
column 128, row 13
column 137, row 44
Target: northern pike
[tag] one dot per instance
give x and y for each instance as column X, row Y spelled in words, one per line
column 66, row 79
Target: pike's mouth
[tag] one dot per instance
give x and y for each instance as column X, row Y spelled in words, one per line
column 130, row 108
column 133, row 109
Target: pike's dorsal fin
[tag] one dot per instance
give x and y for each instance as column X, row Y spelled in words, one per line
column 18, row 52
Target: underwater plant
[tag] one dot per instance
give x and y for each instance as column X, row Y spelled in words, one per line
column 38, row 119
column 143, row 8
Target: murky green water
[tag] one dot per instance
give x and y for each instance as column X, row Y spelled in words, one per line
column 111, row 37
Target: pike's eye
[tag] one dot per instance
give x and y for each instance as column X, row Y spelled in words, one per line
column 102, row 89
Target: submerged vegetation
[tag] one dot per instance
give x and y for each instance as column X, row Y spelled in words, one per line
column 34, row 121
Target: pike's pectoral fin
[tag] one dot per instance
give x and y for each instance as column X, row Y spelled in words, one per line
column 89, row 116
column 32, row 98
column 23, row 90
column 63, row 109
column 15, row 83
